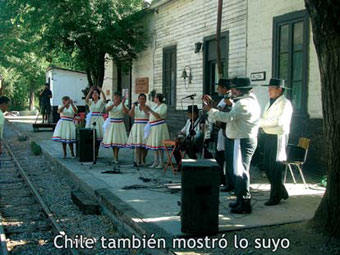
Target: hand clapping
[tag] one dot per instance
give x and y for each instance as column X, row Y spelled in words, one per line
column 207, row 102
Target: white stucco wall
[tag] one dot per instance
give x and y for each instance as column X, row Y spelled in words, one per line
column 183, row 23
column 143, row 65
column 259, row 50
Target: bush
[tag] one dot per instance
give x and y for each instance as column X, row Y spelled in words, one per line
column 22, row 138
column 35, row 148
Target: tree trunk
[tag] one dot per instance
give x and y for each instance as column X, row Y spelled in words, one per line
column 89, row 78
column 95, row 73
column 31, row 101
column 100, row 68
column 326, row 36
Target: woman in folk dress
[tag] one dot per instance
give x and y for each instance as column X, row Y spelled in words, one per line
column 96, row 106
column 136, row 138
column 115, row 133
column 158, row 130
column 65, row 131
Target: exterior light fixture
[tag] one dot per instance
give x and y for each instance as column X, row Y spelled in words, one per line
column 198, row 47
column 187, row 74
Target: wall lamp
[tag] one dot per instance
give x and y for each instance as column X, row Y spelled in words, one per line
column 186, row 74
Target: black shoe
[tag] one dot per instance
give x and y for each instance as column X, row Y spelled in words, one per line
column 234, row 204
column 243, row 208
column 285, row 196
column 272, row 201
column 227, row 188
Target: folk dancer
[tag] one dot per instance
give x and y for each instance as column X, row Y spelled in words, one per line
column 65, row 131
column 242, row 127
column 94, row 118
column 275, row 123
column 158, row 130
column 136, row 138
column 115, row 133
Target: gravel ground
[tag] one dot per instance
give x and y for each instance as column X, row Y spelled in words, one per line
column 55, row 190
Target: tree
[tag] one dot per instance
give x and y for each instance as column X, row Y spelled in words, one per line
column 326, row 35
column 87, row 30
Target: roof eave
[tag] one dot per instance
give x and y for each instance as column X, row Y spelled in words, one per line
column 159, row 4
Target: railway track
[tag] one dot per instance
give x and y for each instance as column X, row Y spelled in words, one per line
column 27, row 226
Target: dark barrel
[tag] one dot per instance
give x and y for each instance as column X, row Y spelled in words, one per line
column 85, row 144
column 200, row 196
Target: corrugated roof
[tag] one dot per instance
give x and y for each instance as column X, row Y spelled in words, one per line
column 157, row 3
column 64, row 69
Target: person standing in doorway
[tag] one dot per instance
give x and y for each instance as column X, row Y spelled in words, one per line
column 275, row 123
column 45, row 102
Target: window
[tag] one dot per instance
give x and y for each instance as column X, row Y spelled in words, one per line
column 210, row 62
column 290, row 56
column 169, row 75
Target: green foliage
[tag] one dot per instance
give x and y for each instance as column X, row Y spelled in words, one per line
column 22, row 138
column 74, row 34
column 35, row 148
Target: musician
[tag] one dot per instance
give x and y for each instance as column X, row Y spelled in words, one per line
column 242, row 128
column 192, row 143
column 224, row 105
column 275, row 123
column 95, row 119
column 115, row 133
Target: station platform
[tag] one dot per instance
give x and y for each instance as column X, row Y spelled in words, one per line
column 148, row 200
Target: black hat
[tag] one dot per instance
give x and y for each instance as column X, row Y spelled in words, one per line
column 47, row 84
column 224, row 83
column 276, row 82
column 190, row 109
column 241, row 83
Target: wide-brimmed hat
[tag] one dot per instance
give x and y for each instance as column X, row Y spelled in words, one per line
column 190, row 110
column 224, row 83
column 277, row 82
column 241, row 83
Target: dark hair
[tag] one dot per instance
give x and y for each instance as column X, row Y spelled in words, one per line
column 118, row 94
column 142, row 95
column 47, row 84
column 97, row 90
column 66, row 98
column 4, row 100
column 160, row 97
